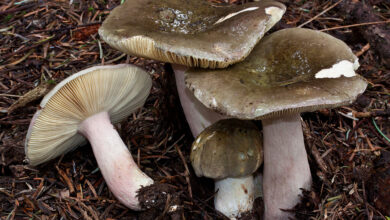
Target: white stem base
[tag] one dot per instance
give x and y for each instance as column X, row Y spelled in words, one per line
column 286, row 168
column 235, row 196
column 198, row 116
column 121, row 173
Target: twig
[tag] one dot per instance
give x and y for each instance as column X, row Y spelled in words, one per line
column 355, row 25
column 13, row 10
column 16, row 122
column 365, row 201
column 318, row 15
column 317, row 156
column 17, row 61
column 170, row 147
column 31, row 47
column 363, row 50
column 374, row 113
column 66, row 179
column 354, row 129
column 187, row 172
column 30, row 96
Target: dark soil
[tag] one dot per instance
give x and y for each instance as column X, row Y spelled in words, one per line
column 46, row 41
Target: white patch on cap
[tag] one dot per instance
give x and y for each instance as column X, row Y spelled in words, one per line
column 234, row 14
column 274, row 11
column 343, row 68
column 275, row 14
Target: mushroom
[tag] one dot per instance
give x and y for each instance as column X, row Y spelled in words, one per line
column 229, row 151
column 81, row 106
column 190, row 33
column 290, row 71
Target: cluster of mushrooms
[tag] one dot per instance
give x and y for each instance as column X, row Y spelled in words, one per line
column 226, row 76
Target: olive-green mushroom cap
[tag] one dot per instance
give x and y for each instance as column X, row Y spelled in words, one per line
column 228, row 148
column 116, row 89
column 290, row 71
column 189, row 32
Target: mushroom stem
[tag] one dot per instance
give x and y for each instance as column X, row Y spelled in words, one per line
column 121, row 173
column 234, row 196
column 198, row 116
column 286, row 168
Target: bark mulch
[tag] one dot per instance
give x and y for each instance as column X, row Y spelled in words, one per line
column 43, row 42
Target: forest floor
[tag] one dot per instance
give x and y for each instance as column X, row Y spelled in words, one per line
column 43, row 42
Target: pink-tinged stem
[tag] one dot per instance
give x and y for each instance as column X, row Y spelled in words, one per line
column 121, row 173
column 286, row 168
column 198, row 116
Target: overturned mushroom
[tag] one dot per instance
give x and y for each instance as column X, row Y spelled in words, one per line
column 83, row 106
column 288, row 72
column 229, row 151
